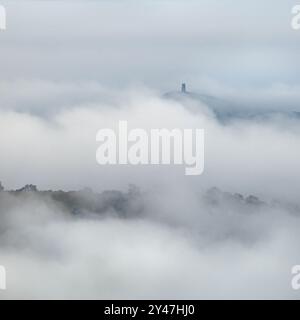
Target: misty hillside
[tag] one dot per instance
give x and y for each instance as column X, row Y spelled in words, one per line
column 132, row 203
column 232, row 109
column 80, row 202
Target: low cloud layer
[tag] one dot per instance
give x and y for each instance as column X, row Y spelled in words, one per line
column 171, row 237
column 53, row 145
column 146, row 245
column 69, row 69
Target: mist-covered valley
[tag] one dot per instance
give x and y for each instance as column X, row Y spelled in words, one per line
column 73, row 229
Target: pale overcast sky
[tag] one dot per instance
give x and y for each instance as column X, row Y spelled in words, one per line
column 155, row 43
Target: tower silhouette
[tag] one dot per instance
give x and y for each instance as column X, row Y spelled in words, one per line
column 183, row 88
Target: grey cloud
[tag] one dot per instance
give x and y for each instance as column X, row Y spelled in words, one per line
column 70, row 69
column 223, row 251
column 157, row 44
column 173, row 238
